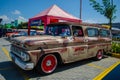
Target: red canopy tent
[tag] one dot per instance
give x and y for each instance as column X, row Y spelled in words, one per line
column 52, row 14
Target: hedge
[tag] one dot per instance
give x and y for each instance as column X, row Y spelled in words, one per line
column 116, row 47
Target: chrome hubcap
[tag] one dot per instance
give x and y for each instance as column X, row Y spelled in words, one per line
column 48, row 63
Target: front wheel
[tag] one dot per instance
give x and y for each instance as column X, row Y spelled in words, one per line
column 47, row 64
column 99, row 55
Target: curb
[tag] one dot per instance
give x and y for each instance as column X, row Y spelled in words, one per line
column 117, row 55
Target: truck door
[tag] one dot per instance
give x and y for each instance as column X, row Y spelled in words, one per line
column 93, row 40
column 78, row 48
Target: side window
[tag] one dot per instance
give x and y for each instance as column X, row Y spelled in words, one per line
column 104, row 33
column 92, row 32
column 77, row 31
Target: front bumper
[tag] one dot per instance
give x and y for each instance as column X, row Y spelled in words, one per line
column 20, row 63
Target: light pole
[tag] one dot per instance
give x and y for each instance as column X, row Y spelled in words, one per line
column 80, row 9
column 112, row 2
column 112, row 14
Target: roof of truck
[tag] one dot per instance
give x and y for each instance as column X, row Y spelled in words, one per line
column 77, row 24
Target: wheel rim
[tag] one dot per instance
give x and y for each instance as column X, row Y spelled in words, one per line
column 49, row 63
column 99, row 55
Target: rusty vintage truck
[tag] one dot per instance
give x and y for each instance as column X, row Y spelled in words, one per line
column 63, row 42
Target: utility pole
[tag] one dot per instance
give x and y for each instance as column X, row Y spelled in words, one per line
column 111, row 21
column 80, row 9
column 112, row 2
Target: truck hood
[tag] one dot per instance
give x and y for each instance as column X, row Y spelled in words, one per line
column 24, row 39
column 35, row 42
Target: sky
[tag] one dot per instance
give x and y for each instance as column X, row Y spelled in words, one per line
column 11, row 10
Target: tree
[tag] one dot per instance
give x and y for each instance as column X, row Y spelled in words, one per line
column 13, row 27
column 19, row 26
column 106, row 8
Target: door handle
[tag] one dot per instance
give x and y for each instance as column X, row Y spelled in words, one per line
column 85, row 40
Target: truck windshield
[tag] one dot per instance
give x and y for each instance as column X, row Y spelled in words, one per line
column 58, row 30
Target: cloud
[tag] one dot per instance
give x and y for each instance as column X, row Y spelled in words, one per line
column 22, row 18
column 90, row 21
column 6, row 19
column 17, row 12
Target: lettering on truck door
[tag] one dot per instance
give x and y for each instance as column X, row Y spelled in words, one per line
column 78, row 48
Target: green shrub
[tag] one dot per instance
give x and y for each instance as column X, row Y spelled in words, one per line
column 115, row 47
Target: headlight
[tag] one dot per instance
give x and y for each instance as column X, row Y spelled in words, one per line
column 25, row 57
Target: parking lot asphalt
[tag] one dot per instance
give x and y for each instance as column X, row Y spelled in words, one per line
column 111, row 73
column 82, row 70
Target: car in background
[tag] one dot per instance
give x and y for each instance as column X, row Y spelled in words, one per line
column 24, row 33
column 115, row 37
column 33, row 32
column 0, row 32
column 11, row 32
column 40, row 32
column 3, row 32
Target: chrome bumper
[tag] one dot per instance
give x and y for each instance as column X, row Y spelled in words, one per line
column 20, row 63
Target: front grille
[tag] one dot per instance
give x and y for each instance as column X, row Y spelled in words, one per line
column 16, row 50
column 20, row 52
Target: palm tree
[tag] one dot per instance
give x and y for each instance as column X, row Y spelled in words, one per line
column 106, row 8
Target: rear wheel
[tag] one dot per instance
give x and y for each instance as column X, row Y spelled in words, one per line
column 47, row 64
column 99, row 55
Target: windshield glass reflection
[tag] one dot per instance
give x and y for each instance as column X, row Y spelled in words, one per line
column 58, row 30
